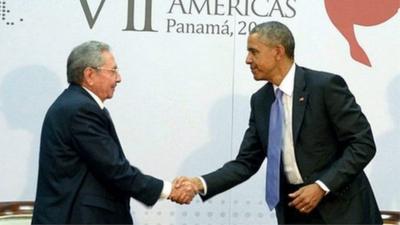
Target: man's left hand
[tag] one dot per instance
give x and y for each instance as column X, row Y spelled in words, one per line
column 306, row 198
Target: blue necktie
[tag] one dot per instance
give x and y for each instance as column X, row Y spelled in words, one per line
column 274, row 151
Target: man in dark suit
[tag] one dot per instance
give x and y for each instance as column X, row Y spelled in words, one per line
column 324, row 140
column 84, row 177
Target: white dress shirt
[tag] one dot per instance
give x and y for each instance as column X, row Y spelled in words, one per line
column 288, row 156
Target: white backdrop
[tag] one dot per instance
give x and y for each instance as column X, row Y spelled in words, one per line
column 183, row 103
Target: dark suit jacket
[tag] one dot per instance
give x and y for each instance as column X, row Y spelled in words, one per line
column 333, row 143
column 84, row 176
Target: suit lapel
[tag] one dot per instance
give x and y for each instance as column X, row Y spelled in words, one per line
column 110, row 123
column 300, row 98
column 264, row 108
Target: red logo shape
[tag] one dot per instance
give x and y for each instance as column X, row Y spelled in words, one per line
column 344, row 14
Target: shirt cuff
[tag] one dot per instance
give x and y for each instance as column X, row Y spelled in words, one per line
column 203, row 182
column 323, row 186
column 166, row 191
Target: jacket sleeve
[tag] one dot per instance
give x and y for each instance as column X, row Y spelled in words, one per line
column 352, row 131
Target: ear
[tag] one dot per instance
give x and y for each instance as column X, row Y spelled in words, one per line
column 280, row 52
column 88, row 75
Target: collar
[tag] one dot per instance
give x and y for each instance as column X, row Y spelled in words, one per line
column 95, row 97
column 287, row 83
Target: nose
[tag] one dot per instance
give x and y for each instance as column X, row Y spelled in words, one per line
column 249, row 59
column 118, row 80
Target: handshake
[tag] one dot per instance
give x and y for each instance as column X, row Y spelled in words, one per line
column 184, row 189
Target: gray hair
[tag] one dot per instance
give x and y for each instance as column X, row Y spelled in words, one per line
column 276, row 33
column 87, row 54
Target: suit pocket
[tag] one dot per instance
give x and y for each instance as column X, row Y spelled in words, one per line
column 355, row 188
column 98, row 202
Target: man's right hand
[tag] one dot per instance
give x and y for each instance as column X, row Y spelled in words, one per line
column 184, row 189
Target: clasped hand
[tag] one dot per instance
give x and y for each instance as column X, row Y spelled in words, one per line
column 183, row 191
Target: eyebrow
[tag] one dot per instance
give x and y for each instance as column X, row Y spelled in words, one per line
column 251, row 49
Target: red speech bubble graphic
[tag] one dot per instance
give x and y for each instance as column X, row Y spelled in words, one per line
column 344, row 14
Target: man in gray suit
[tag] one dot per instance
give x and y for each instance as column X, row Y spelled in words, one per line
column 322, row 138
